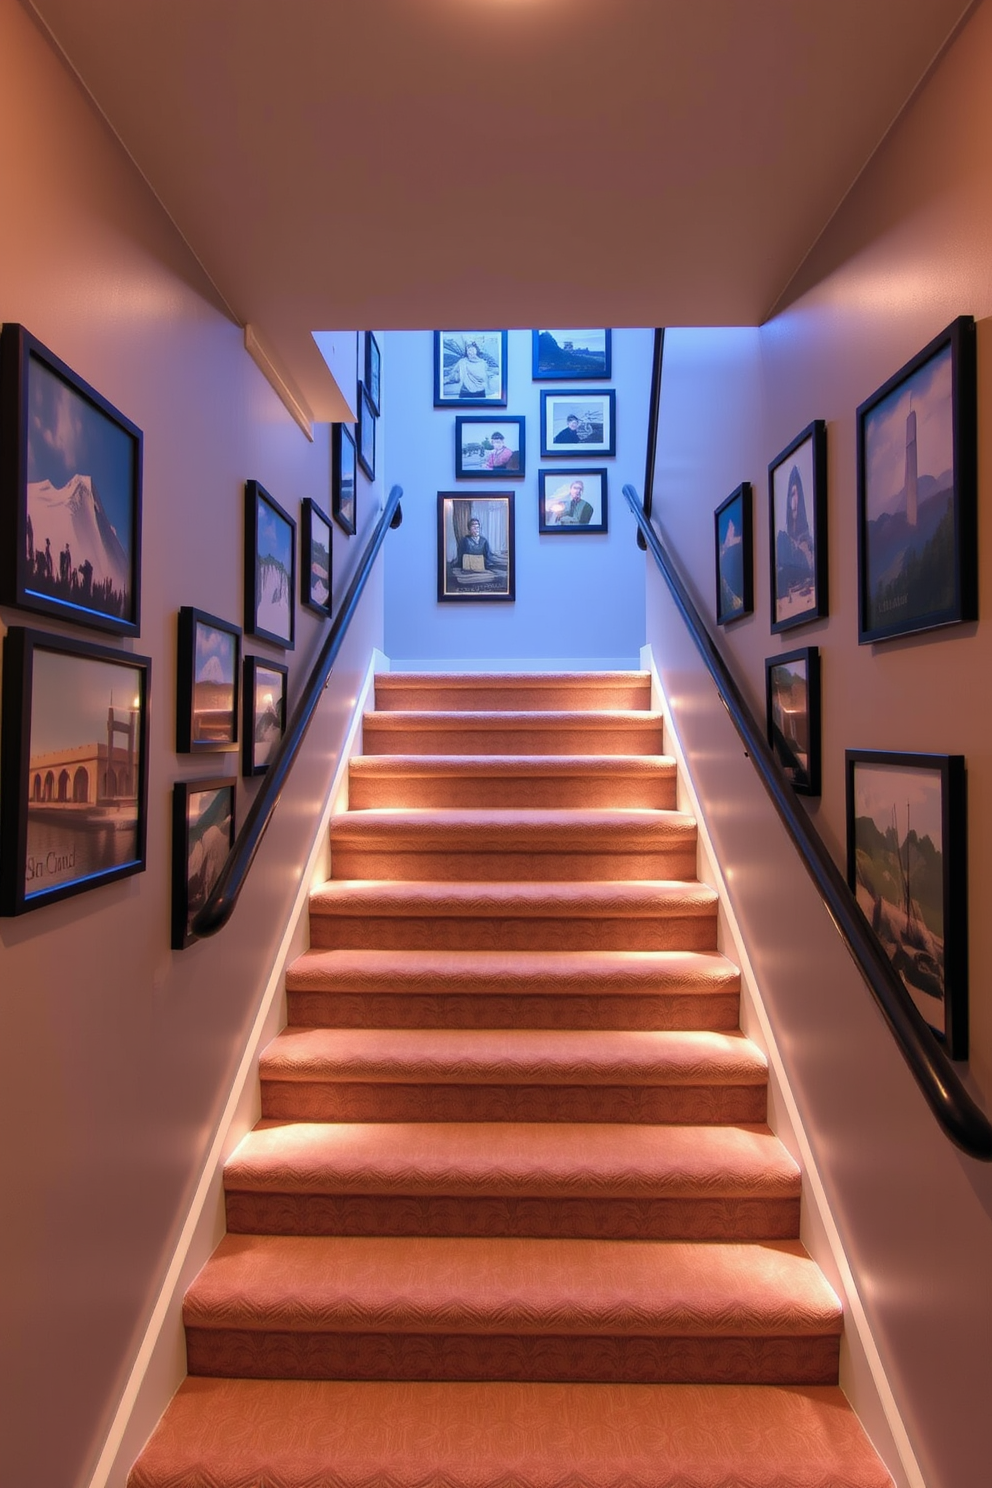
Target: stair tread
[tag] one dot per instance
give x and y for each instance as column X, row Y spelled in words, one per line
column 511, row 764
column 331, row 1283
column 482, row 719
column 646, row 898
column 513, row 1056
column 532, row 827
column 345, row 1434
column 513, row 1159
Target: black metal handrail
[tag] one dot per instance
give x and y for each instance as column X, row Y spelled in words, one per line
column 654, row 412
column 963, row 1121
column 220, row 905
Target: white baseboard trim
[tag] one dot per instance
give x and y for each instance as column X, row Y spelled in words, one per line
column 160, row 1363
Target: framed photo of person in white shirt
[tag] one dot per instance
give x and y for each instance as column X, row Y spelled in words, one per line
column 470, row 369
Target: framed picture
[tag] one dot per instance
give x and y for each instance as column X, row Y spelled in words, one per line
column 917, row 492
column 315, row 558
column 572, row 355
column 344, row 464
column 73, row 767
column 733, row 524
column 792, row 697
column 489, row 448
column 202, row 838
column 70, row 493
column 577, row 423
column 571, row 501
column 366, row 433
column 208, row 674
column 907, row 864
column 797, row 517
column 270, row 568
column 475, row 547
column 264, row 712
column 373, row 372
column 470, row 368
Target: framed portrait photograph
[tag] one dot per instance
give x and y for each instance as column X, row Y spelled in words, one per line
column 733, row 523
column 489, row 448
column 917, row 492
column 792, row 697
column 264, row 720
column 315, row 558
column 572, row 355
column 571, row 501
column 344, row 465
column 797, row 518
column 373, row 372
column 475, row 547
column 907, row 866
column 73, row 767
column 202, row 838
column 577, row 423
column 270, row 568
column 366, row 433
column 208, row 675
column 70, row 493
column 470, row 368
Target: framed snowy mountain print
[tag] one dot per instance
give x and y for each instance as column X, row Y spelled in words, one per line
column 70, row 493
column 270, row 568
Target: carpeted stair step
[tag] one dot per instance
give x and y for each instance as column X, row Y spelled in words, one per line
column 550, row 916
column 519, row 691
column 522, row 780
column 616, row 1312
column 385, row 1434
column 619, row 1182
column 513, row 846
column 623, row 731
column 335, row 1074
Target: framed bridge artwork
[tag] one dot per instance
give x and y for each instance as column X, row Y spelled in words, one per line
column 208, row 675
column 270, row 568
column 73, row 767
column 70, row 493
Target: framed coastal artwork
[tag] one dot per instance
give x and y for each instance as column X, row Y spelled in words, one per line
column 476, row 552
column 270, row 568
column 907, row 865
column 572, row 355
column 572, row 501
column 797, row 519
column 202, row 838
column 488, row 448
column 70, row 493
column 315, row 558
column 917, row 492
column 470, row 369
column 264, row 723
column 373, row 372
column 208, row 679
column 733, row 524
column 344, row 464
column 792, row 702
column 366, row 432
column 575, row 424
column 73, row 767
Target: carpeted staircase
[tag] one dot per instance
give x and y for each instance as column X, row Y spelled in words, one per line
column 512, row 1215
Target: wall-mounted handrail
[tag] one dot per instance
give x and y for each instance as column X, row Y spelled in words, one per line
column 963, row 1121
column 654, row 412
column 220, row 905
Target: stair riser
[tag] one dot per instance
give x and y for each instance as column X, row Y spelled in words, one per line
column 615, row 738
column 549, row 697
column 549, row 792
column 717, row 1012
column 608, row 1218
column 675, row 862
column 293, row 1100
column 242, row 1353
column 487, row 933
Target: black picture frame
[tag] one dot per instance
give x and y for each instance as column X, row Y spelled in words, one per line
column 80, row 496
column 490, row 447
column 797, row 530
column 366, row 432
column 488, row 574
column 918, row 528
column 264, row 697
column 344, row 478
column 792, row 713
column 208, row 682
column 373, row 372
column 914, row 892
column 571, row 355
column 577, row 423
column 270, row 568
column 73, row 767
column 201, row 845
column 315, row 558
column 733, row 545
column 457, row 382
column 572, row 502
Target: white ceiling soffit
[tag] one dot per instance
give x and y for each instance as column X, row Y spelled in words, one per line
column 412, row 163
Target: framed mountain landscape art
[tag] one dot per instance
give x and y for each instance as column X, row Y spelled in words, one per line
column 315, row 558
column 70, row 493
column 917, row 492
column 572, row 355
column 264, row 712
column 270, row 568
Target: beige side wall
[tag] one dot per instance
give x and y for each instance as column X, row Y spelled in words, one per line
column 115, row 1052
column 908, row 251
